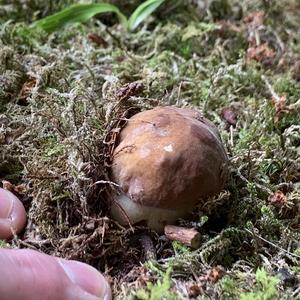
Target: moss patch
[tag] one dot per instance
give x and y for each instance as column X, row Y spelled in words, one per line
column 60, row 98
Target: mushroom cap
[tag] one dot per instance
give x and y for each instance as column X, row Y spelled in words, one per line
column 167, row 159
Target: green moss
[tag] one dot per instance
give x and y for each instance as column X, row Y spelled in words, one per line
column 3, row 244
column 265, row 287
column 52, row 147
column 12, row 76
column 11, row 169
column 230, row 287
column 289, row 87
column 190, row 56
column 159, row 290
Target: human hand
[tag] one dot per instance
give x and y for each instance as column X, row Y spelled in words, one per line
column 30, row 275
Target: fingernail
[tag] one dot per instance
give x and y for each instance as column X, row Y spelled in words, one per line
column 87, row 278
column 12, row 214
column 6, row 204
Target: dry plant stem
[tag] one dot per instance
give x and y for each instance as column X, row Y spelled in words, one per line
column 148, row 247
column 270, row 88
column 186, row 236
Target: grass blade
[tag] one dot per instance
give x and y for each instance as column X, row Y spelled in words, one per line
column 142, row 12
column 77, row 13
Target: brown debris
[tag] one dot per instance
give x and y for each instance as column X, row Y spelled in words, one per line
column 211, row 277
column 98, row 40
column 195, row 290
column 186, row 236
column 278, row 199
column 263, row 45
column 148, row 247
column 128, row 90
column 26, row 90
column 214, row 274
column 255, row 19
column 280, row 108
column 16, row 189
column 295, row 70
column 260, row 53
column 110, row 140
column 122, row 95
column 12, row 134
column 229, row 115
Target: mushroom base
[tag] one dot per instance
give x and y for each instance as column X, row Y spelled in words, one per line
column 156, row 218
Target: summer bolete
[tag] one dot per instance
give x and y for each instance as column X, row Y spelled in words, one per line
column 167, row 161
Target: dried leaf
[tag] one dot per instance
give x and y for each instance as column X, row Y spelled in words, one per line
column 26, row 90
column 7, row 185
column 230, row 116
column 129, row 89
column 98, row 40
column 255, row 19
column 278, row 199
column 195, row 290
column 261, row 53
column 213, row 275
column 17, row 189
column 281, row 108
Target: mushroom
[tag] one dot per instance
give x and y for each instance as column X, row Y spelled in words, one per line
column 167, row 161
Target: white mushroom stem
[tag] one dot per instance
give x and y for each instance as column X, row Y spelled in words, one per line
column 157, row 217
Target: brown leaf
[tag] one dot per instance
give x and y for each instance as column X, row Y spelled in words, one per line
column 17, row 189
column 213, row 274
column 278, row 199
column 26, row 90
column 129, row 89
column 7, row 185
column 12, row 135
column 280, row 108
column 261, row 53
column 195, row 290
column 229, row 115
column 98, row 40
column 20, row 189
column 255, row 19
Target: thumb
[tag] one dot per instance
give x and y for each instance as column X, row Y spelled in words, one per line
column 12, row 214
column 30, row 275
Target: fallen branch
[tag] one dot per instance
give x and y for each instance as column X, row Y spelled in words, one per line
column 186, row 236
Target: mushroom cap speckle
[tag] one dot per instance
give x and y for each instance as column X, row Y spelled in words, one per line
column 168, row 159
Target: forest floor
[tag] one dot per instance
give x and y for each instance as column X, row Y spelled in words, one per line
column 60, row 95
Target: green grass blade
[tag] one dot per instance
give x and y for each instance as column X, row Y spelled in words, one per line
column 77, row 13
column 142, row 12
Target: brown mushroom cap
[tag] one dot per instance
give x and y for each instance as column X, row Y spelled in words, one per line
column 168, row 159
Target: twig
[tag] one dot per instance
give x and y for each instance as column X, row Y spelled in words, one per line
column 270, row 88
column 296, row 292
column 187, row 236
column 149, row 249
column 106, row 182
column 231, row 136
column 272, row 244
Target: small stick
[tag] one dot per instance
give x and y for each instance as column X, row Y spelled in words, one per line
column 186, row 236
column 270, row 88
column 148, row 247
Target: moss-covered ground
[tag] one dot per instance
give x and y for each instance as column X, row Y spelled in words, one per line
column 61, row 94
